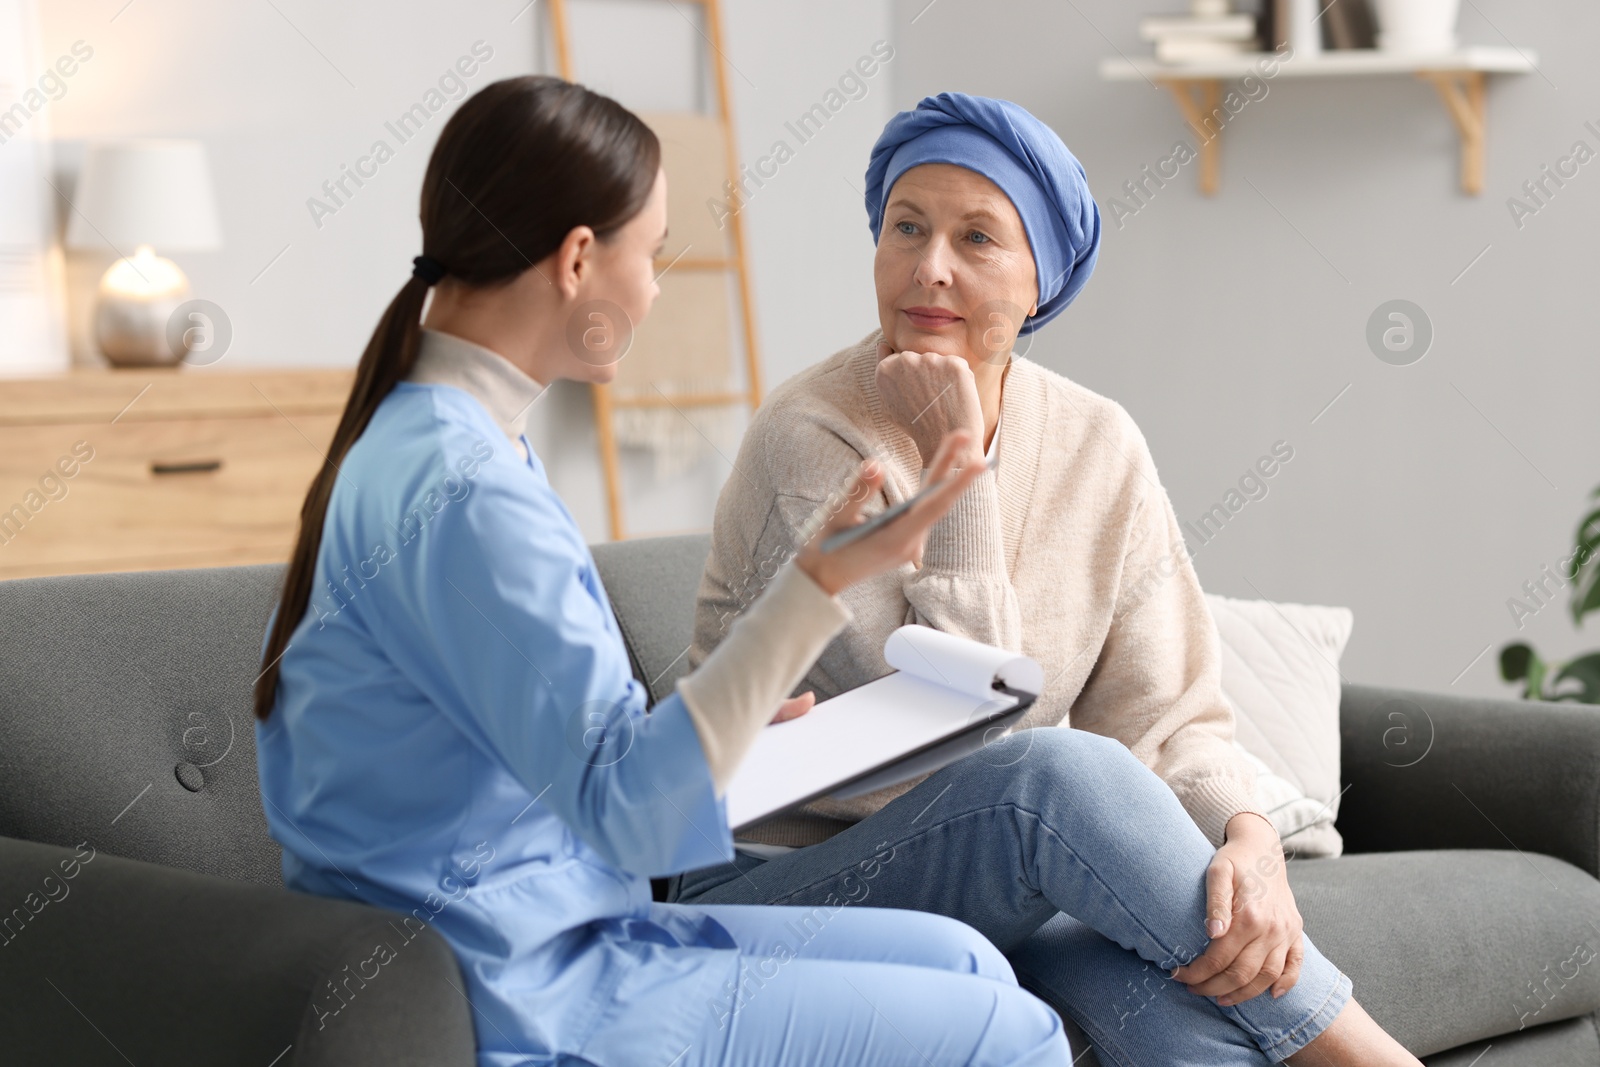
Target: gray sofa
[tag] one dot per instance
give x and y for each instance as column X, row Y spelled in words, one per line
column 1467, row 911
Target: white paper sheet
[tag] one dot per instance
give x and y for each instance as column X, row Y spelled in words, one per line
column 880, row 722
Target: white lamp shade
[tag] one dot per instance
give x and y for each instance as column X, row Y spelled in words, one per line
column 147, row 192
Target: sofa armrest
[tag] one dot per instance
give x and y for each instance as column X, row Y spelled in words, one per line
column 1431, row 770
column 107, row 960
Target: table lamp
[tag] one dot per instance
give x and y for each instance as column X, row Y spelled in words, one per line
column 143, row 195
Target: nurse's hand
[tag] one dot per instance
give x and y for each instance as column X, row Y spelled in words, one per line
column 900, row 541
column 795, row 707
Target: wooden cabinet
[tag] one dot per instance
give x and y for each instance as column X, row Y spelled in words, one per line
column 141, row 470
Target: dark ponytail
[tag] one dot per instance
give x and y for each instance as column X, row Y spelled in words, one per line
column 518, row 166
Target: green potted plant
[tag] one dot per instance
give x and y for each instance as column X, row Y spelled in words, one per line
column 1576, row 679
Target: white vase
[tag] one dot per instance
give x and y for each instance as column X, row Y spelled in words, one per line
column 1305, row 27
column 1417, row 26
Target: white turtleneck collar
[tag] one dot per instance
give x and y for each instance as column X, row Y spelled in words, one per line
column 503, row 388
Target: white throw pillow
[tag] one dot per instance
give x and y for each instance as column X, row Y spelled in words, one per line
column 1280, row 671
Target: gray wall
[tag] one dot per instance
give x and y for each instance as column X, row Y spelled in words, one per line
column 1427, row 494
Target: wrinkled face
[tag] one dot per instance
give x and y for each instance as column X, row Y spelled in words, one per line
column 617, row 293
column 954, row 271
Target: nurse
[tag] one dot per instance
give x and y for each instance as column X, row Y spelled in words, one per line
column 447, row 723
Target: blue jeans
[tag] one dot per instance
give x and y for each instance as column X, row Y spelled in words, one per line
column 1082, row 867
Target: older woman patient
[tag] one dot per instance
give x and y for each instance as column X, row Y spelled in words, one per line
column 1112, row 849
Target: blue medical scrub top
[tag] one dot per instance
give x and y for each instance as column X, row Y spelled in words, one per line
column 457, row 736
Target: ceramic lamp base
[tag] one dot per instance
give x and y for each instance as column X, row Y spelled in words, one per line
column 133, row 333
column 137, row 297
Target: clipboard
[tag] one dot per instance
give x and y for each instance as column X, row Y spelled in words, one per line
column 948, row 697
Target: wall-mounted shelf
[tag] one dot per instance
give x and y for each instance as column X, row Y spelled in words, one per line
column 1460, row 78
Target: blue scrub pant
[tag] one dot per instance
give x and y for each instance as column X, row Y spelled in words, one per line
column 870, row 986
column 1082, row 867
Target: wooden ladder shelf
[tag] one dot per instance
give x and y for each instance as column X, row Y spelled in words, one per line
column 606, row 403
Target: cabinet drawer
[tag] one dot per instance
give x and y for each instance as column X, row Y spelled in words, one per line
column 190, row 492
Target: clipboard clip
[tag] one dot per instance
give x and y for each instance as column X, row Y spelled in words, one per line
column 1022, row 695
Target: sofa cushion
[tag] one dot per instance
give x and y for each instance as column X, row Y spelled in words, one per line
column 1572, row 1043
column 111, row 961
column 652, row 584
column 1450, row 947
column 115, row 690
column 1280, row 672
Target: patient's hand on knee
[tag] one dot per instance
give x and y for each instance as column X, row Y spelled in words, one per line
column 1251, row 918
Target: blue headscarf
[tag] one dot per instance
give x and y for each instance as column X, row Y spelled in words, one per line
column 1020, row 154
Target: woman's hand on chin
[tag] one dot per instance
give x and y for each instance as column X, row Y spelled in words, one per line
column 929, row 394
column 1251, row 918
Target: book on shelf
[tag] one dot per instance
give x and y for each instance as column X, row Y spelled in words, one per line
column 1342, row 24
column 1348, row 24
column 1199, row 49
column 1209, row 31
column 1226, row 28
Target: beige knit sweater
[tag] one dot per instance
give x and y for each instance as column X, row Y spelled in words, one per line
column 1069, row 552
